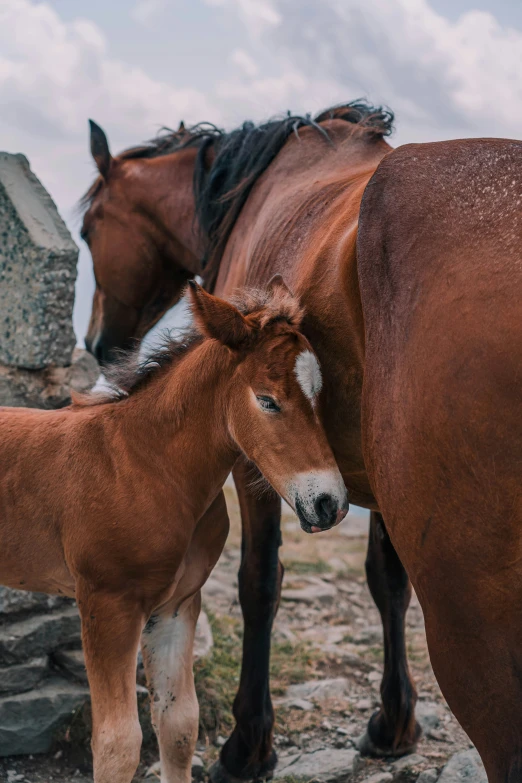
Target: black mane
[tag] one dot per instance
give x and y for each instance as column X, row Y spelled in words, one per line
column 229, row 164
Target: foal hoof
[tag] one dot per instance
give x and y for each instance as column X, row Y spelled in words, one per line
column 218, row 773
column 367, row 747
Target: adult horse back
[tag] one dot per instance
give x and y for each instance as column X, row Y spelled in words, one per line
column 440, row 270
column 284, row 196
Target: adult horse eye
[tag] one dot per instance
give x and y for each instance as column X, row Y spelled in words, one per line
column 268, row 404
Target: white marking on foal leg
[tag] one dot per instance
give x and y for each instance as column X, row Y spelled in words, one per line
column 308, row 374
column 167, row 647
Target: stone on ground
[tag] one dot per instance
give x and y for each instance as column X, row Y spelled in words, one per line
column 72, row 664
column 37, row 272
column 428, row 715
column 407, row 763
column 465, row 766
column 204, row 640
column 38, row 634
column 428, row 776
column 324, row 766
column 319, row 691
column 17, row 601
column 23, row 676
column 29, row 721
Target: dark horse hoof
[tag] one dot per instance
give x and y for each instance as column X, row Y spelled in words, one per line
column 368, row 746
column 218, row 773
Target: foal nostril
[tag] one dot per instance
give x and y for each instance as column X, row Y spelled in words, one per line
column 326, row 508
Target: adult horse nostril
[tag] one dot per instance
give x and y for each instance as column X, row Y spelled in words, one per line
column 326, row 508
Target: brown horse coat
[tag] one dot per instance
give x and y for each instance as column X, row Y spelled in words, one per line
column 299, row 215
column 120, row 505
column 440, row 270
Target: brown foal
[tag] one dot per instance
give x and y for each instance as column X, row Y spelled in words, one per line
column 119, row 503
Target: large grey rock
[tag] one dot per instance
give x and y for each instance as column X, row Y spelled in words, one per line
column 23, row 676
column 319, row 691
column 464, row 767
column 48, row 388
column 72, row 664
column 29, row 721
column 37, row 272
column 38, row 635
column 325, row 766
column 19, row 601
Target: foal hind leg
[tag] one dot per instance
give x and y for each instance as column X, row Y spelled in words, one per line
column 248, row 754
column 167, row 648
column 392, row 730
column 111, row 628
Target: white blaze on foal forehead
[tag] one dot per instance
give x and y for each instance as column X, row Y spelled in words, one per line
column 308, row 374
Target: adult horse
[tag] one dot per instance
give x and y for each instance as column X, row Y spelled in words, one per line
column 239, row 208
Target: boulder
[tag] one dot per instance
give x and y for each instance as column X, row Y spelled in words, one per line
column 332, row 765
column 29, row 721
column 20, row 601
column 37, row 635
column 48, row 388
column 464, row 766
column 37, row 272
column 23, row 676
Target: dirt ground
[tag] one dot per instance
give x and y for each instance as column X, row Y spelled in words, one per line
column 327, row 627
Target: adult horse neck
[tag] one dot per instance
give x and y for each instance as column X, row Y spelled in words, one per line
column 251, row 204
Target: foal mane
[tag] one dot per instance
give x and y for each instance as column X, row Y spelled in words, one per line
column 229, row 164
column 129, row 373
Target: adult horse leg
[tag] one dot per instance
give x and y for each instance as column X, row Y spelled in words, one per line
column 167, row 647
column 248, row 754
column 111, row 628
column 392, row 730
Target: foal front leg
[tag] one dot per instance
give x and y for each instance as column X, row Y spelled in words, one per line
column 111, row 628
column 392, row 730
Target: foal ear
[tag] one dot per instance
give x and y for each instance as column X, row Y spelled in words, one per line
column 217, row 318
column 277, row 284
column 100, row 149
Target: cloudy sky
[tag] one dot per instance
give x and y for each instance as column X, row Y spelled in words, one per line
column 446, row 67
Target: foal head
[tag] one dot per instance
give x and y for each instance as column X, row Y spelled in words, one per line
column 272, row 399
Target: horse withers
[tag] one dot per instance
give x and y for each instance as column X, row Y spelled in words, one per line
column 118, row 502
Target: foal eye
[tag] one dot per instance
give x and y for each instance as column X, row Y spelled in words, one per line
column 268, row 404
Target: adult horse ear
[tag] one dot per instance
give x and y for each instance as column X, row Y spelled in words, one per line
column 217, row 318
column 277, row 284
column 100, row 149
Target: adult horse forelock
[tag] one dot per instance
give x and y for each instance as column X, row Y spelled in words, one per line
column 236, row 208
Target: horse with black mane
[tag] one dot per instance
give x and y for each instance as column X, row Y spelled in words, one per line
column 237, row 208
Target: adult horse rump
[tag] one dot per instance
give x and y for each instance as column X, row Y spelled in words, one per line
column 440, row 273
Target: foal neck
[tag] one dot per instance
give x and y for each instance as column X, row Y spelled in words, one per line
column 178, row 421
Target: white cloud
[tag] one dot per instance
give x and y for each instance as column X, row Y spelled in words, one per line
column 258, row 15
column 145, row 10
column 63, row 73
column 245, row 62
column 440, row 76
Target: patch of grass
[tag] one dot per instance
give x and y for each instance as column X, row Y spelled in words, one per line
column 304, row 567
column 217, row 675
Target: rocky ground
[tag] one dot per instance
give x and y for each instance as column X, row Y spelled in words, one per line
column 326, row 672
